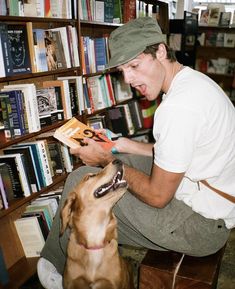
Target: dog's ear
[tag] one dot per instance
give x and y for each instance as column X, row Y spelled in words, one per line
column 66, row 211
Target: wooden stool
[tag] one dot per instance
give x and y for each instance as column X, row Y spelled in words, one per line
column 171, row 270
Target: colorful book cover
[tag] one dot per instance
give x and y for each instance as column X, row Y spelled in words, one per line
column 73, row 132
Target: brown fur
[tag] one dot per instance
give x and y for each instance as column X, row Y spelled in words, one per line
column 93, row 261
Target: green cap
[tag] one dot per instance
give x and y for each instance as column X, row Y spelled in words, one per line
column 128, row 41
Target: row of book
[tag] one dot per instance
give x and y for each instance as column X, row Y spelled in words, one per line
column 94, row 54
column 25, row 49
column 217, row 39
column 215, row 15
column 28, row 167
column 102, row 11
column 35, row 223
column 126, row 119
column 223, row 66
column 25, row 108
column 39, row 8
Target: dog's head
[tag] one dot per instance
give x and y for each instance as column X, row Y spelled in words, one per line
column 90, row 204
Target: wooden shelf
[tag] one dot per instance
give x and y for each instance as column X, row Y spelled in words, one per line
column 15, row 204
column 27, row 266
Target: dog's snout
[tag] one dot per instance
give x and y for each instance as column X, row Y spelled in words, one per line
column 116, row 162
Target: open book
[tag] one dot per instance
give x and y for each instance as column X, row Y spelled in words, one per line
column 73, row 132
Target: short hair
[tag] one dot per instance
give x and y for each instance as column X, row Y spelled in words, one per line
column 152, row 49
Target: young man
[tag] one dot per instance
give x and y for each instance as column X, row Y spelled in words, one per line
column 169, row 206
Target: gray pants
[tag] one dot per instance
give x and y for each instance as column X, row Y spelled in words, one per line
column 175, row 227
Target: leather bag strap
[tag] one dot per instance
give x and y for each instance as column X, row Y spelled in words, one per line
column 222, row 194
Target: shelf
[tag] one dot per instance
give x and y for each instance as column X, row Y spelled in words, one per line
column 86, row 22
column 215, row 52
column 10, row 19
column 74, row 70
column 20, row 272
column 15, row 204
column 220, row 28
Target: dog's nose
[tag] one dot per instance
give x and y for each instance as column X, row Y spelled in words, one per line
column 116, row 162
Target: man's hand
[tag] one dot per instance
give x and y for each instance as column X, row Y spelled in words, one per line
column 92, row 153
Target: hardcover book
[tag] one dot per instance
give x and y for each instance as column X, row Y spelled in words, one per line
column 73, row 132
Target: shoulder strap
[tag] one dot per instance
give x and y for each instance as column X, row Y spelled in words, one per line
column 222, row 194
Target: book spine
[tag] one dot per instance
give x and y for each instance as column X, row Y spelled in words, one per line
column 23, row 177
column 16, row 107
column 7, row 116
column 45, row 163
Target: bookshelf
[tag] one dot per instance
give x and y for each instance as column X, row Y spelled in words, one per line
column 216, row 55
column 20, row 268
column 14, row 256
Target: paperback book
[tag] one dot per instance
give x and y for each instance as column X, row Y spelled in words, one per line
column 73, row 132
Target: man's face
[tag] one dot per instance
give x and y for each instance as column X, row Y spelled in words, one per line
column 145, row 74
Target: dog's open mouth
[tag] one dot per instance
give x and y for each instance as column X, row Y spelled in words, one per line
column 115, row 183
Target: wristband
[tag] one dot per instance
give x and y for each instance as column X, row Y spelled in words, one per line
column 114, row 151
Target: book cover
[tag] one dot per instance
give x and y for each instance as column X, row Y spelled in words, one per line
column 225, row 18
column 40, row 50
column 73, row 132
column 19, row 49
column 59, row 93
column 55, row 54
column 30, row 235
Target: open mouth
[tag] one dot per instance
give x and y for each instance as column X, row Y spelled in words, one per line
column 115, row 183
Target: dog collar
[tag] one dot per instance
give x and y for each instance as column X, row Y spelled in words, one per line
column 93, row 248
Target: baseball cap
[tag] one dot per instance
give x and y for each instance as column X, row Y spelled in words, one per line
column 128, row 41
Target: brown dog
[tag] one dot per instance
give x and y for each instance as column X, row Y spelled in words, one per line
column 93, row 261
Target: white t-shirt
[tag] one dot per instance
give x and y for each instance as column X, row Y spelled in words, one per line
column 194, row 129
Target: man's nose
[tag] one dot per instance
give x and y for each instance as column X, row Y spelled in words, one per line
column 127, row 77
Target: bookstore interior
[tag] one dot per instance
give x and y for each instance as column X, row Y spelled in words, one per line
column 53, row 76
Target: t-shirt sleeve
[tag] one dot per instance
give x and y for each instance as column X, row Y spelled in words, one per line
column 176, row 131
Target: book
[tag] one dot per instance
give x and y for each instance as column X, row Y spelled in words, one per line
column 129, row 10
column 73, row 132
column 40, row 50
column 19, row 49
column 225, row 18
column 55, row 54
column 30, row 235
column 7, row 116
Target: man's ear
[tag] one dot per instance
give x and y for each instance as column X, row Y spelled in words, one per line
column 161, row 53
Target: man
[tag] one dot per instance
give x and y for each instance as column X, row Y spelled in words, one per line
column 176, row 185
